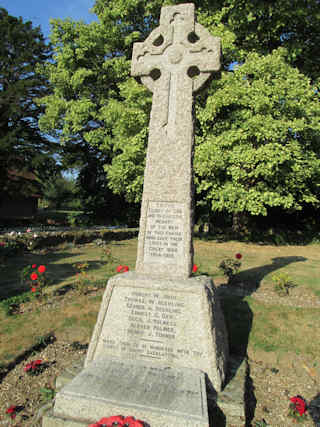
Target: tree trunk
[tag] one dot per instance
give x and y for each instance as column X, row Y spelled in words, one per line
column 239, row 221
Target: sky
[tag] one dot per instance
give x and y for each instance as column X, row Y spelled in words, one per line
column 41, row 11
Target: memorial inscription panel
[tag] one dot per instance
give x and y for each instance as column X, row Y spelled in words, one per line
column 134, row 383
column 149, row 325
column 160, row 395
column 164, row 233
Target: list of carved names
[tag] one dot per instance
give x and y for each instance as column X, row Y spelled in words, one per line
column 150, row 324
column 163, row 241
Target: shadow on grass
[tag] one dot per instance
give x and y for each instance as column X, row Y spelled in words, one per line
column 239, row 318
column 56, row 273
column 254, row 276
column 277, row 237
column 314, row 410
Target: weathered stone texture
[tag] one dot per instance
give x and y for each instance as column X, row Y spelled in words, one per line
column 160, row 334
column 176, row 322
column 173, row 64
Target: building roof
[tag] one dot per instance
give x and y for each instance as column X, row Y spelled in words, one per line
column 22, row 184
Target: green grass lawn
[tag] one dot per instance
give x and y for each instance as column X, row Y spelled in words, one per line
column 252, row 323
column 278, row 336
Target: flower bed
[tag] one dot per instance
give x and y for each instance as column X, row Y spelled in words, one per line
column 13, row 242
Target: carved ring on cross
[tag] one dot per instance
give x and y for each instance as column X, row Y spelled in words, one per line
column 192, row 51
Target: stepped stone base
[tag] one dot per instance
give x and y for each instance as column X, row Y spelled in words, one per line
column 160, row 396
column 228, row 410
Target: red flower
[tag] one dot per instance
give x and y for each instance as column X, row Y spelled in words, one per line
column 299, row 403
column 33, row 289
column 128, row 420
column 2, row 244
column 33, row 276
column 135, row 423
column 114, row 419
column 11, row 409
column 122, row 268
column 194, row 268
column 41, row 269
column 119, row 421
column 34, row 265
column 238, row 256
column 27, row 367
column 32, row 366
column 108, row 422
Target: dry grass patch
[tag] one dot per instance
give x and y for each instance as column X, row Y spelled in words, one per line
column 279, row 334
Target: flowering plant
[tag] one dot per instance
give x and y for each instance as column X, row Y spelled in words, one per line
column 106, row 256
column 34, row 368
column 297, row 409
column 12, row 412
column 230, row 267
column 194, row 268
column 118, row 421
column 35, row 278
column 82, row 281
column 122, row 268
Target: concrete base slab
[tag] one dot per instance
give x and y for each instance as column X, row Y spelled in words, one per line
column 227, row 410
column 49, row 420
column 158, row 395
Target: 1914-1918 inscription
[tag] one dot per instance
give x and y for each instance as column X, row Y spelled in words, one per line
column 164, row 233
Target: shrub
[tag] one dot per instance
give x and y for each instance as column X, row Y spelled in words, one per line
column 11, row 305
column 230, row 266
column 282, row 283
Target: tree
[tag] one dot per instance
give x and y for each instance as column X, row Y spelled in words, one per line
column 262, row 26
column 257, row 136
column 22, row 145
column 58, row 191
column 260, row 145
column 91, row 186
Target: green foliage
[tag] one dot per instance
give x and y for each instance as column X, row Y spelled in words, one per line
column 11, row 305
column 82, row 280
column 230, row 267
column 264, row 26
column 47, row 394
column 78, row 219
column 25, row 275
column 58, row 191
column 23, row 147
column 259, row 142
column 282, row 283
column 106, row 256
column 257, row 128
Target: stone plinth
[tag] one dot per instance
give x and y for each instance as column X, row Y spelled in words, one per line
column 174, row 322
column 160, row 396
column 230, row 402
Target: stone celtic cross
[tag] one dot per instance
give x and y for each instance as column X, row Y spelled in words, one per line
column 174, row 62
